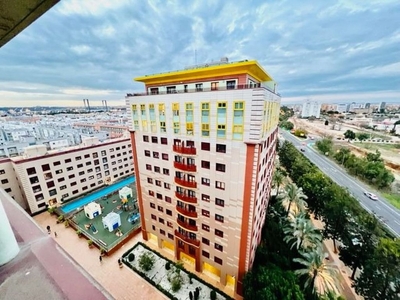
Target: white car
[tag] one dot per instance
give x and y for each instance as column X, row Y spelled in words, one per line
column 371, row 196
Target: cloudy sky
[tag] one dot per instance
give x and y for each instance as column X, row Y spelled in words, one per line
column 330, row 51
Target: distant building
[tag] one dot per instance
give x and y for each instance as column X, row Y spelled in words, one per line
column 343, row 108
column 382, row 106
column 311, row 108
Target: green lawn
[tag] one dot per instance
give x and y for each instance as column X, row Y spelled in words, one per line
column 394, row 199
column 374, row 146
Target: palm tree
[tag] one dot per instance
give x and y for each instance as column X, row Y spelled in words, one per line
column 278, row 179
column 302, row 233
column 294, row 195
column 319, row 276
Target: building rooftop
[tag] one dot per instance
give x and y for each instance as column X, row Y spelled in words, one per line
column 223, row 68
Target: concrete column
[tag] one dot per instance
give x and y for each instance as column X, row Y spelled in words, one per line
column 8, row 244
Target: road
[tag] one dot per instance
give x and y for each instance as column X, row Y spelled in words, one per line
column 384, row 211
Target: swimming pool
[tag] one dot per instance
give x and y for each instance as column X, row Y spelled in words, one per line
column 67, row 208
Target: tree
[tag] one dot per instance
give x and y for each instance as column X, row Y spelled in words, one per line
column 326, row 122
column 362, row 136
column 302, row 233
column 294, row 196
column 146, row 261
column 350, row 135
column 287, row 125
column 342, row 154
column 270, row 283
column 380, row 277
column 278, row 179
column 325, row 145
column 359, row 243
column 321, row 278
column 335, row 215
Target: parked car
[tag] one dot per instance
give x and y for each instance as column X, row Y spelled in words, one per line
column 133, row 218
column 371, row 196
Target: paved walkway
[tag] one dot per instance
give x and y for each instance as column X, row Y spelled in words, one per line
column 121, row 283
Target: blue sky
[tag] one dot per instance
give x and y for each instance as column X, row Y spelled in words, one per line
column 330, row 51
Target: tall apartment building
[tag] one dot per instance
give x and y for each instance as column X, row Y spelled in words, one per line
column 311, row 109
column 41, row 178
column 204, row 145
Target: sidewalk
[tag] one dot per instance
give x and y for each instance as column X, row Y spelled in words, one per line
column 121, row 283
column 344, row 272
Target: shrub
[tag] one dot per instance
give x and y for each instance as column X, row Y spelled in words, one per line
column 51, row 210
column 90, row 243
column 131, row 257
column 60, row 218
column 213, row 295
column 66, row 224
column 103, row 251
column 79, row 233
column 146, row 261
column 167, row 265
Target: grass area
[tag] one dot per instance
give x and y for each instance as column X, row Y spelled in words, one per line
column 374, row 146
column 394, row 199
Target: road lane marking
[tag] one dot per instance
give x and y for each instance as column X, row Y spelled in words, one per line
column 396, row 222
column 378, row 207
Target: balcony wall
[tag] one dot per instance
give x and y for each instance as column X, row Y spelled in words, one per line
column 184, row 150
column 186, row 226
column 183, row 167
column 186, row 213
column 186, row 239
column 185, row 183
column 187, row 199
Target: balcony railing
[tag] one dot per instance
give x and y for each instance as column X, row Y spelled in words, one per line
column 183, row 167
column 185, row 198
column 185, row 212
column 184, row 150
column 200, row 90
column 186, row 226
column 189, row 184
column 187, row 239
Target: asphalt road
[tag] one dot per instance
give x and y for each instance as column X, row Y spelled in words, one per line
column 384, row 211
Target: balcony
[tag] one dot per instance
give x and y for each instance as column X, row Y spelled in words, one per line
column 187, row 239
column 185, row 212
column 184, row 150
column 186, row 226
column 183, row 167
column 185, row 183
column 185, row 198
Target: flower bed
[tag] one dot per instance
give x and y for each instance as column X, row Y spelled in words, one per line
column 158, row 275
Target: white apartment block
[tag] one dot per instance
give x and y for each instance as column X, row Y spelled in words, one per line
column 311, row 109
column 204, row 145
column 41, row 178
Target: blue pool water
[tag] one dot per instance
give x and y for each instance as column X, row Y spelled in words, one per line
column 96, row 195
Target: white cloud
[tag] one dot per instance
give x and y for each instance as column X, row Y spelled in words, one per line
column 81, row 49
column 89, row 7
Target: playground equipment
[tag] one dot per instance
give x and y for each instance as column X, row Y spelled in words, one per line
column 92, row 210
column 112, row 221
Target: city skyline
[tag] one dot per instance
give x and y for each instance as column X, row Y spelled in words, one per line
column 335, row 51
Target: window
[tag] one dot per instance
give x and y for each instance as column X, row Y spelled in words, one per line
column 238, row 120
column 147, row 153
column 171, row 89
column 164, row 141
column 78, row 158
column 103, row 153
column 2, row 172
column 151, row 193
column 61, row 179
column 154, row 140
column 221, row 148
column 156, row 154
column 149, row 180
column 73, row 183
column 68, row 160
column 165, row 156
column 220, row 167
column 81, row 173
column 154, row 217
column 4, row 181
column 165, row 171
column 70, row 169
column 168, row 199
column 96, row 155
column 80, row 166
column 59, row 171
column 219, row 233
column 214, row 86
column 205, row 254
column 46, row 167
column 50, row 184
column 8, row 190
column 162, row 231
column 205, row 197
column 157, row 169
column 219, row 202
column 218, row 247
column 152, row 205
column 146, row 138
column 199, row 87
column 219, row 218
column 86, row 156
column 220, row 185
column 52, row 192
column 39, row 197
column 189, row 118
column 170, row 236
column 30, row 171
column 161, row 209
column 71, row 176
column 205, row 119
column 63, row 187
column 205, row 146
column 56, row 163
column 205, row 164
column 158, row 183
column 170, row 225
column 205, row 241
column 205, row 181
column 217, row 260
column 96, row 162
column 230, row 84
column 205, row 227
column 33, row 179
column 205, row 213
column 159, row 196
column 169, row 212
column 148, row 167
column 167, row 186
